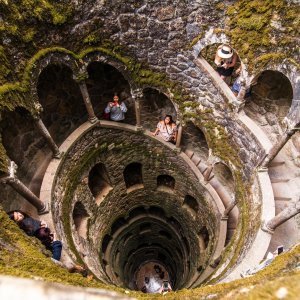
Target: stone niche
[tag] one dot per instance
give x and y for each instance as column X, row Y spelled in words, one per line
column 270, row 100
column 103, row 82
column 62, row 102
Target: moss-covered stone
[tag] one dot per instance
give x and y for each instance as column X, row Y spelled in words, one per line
column 30, row 260
column 262, row 31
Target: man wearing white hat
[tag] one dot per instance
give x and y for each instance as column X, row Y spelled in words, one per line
column 225, row 60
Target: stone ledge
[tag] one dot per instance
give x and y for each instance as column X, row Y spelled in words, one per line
column 262, row 240
column 28, row 289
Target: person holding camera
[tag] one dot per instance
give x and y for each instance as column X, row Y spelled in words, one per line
column 115, row 111
column 225, row 60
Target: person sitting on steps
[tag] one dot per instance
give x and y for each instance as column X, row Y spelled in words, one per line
column 225, row 59
column 166, row 129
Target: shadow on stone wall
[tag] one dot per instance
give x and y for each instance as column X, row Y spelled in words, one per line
column 61, row 99
column 103, row 82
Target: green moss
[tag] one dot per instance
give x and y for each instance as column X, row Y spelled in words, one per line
column 92, row 39
column 24, row 256
column 253, row 35
column 3, row 159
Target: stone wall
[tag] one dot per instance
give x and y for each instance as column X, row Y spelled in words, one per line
column 116, row 149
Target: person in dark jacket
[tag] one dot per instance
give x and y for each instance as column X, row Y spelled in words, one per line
column 26, row 223
column 47, row 238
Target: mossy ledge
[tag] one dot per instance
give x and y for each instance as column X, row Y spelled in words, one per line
column 30, row 260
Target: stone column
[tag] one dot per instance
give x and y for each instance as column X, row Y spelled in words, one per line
column 137, row 95
column 23, row 190
column 278, row 146
column 45, row 133
column 289, row 212
column 80, row 79
column 179, row 136
column 241, row 95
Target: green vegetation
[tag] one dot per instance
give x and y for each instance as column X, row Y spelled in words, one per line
column 263, row 31
column 31, row 260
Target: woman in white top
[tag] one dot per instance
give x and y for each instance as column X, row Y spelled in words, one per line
column 166, row 129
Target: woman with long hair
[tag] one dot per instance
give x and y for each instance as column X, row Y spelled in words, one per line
column 25, row 222
column 166, row 129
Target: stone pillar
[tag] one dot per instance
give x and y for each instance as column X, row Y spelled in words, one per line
column 242, row 92
column 45, row 133
column 179, row 135
column 80, row 79
column 23, row 190
column 137, row 95
column 241, row 95
column 289, row 212
column 278, row 146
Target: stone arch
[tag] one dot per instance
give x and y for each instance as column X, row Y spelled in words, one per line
column 270, row 101
column 191, row 204
column 165, row 183
column 104, row 80
column 61, row 99
column 224, row 175
column 204, row 234
column 25, row 145
column 209, row 38
column 99, row 182
column 133, row 176
column 80, row 218
column 154, row 106
column 52, row 57
column 193, row 139
column 98, row 56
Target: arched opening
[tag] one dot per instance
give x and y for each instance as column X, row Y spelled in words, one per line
column 80, row 218
column 204, row 234
column 225, row 177
column 269, row 102
column 154, row 106
column 191, row 204
column 103, row 82
column 133, row 176
column 193, row 139
column 165, row 183
column 99, row 182
column 218, row 55
column 25, row 145
column 62, row 102
column 107, row 238
column 151, row 247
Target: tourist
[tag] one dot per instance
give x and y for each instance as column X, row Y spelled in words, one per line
column 166, row 129
column 225, row 60
column 115, row 110
column 48, row 240
column 26, row 223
